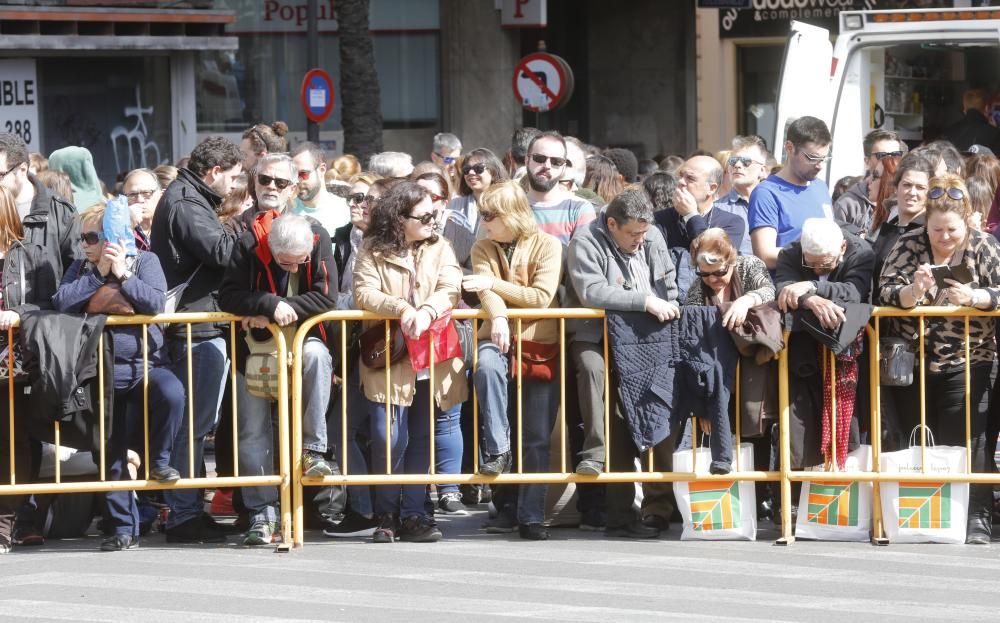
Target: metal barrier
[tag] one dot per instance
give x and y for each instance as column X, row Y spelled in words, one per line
column 279, row 480
column 516, row 316
column 876, row 476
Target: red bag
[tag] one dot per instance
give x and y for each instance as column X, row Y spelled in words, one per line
column 538, row 361
column 446, row 343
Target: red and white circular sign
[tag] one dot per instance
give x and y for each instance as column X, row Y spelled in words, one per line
column 542, row 82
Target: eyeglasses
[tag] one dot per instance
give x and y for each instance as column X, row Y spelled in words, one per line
column 884, row 154
column 304, row 174
column 265, row 180
column 822, row 265
column 293, row 263
column 425, row 219
column 487, row 216
column 9, row 171
column 139, row 195
column 742, row 160
column 954, row 193
column 816, row 159
column 477, row 168
column 91, row 237
column 359, row 198
column 722, row 272
column 556, row 162
column 446, row 159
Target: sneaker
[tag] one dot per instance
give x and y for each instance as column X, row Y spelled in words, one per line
column 28, row 536
column 222, row 502
column 194, row 531
column 388, row 526
column 496, row 464
column 502, row 524
column 590, row 466
column 470, row 494
column 260, row 533
column 451, row 504
column 5, row 548
column 419, row 529
column 118, row 542
column 314, row 465
column 533, row 532
column 164, row 473
column 353, row 524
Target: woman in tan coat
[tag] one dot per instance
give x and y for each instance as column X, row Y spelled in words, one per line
column 405, row 270
column 516, row 265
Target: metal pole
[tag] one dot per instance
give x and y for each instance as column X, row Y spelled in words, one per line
column 312, row 57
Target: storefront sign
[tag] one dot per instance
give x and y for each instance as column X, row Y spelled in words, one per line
column 524, row 13
column 19, row 100
column 292, row 16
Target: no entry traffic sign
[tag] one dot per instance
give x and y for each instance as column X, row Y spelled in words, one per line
column 542, row 82
column 317, row 95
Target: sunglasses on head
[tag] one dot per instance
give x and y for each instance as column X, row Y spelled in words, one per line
column 477, row 168
column 425, row 219
column 445, row 159
column 359, row 198
column 714, row 273
column 556, row 162
column 884, row 154
column 954, row 193
column 742, row 160
column 265, row 180
column 91, row 237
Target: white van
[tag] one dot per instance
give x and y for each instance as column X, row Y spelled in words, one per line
column 904, row 70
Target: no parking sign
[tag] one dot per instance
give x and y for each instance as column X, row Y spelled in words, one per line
column 542, row 82
column 317, row 95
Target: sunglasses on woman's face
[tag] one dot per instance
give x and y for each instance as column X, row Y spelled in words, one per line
column 487, row 216
column 477, row 168
column 265, row 180
column 715, row 273
column 425, row 219
column 954, row 193
column 91, row 237
column 359, row 198
column 435, row 198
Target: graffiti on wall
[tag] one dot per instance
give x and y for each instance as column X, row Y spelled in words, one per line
column 132, row 147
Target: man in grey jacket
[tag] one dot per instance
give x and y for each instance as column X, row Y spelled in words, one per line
column 619, row 262
column 854, row 207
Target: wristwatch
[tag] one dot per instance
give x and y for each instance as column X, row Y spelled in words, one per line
column 125, row 276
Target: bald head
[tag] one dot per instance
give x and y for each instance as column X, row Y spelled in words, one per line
column 701, row 176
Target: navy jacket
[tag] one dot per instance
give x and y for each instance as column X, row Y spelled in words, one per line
column 668, row 371
column 680, row 234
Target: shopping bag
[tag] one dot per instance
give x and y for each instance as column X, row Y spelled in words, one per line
column 447, row 344
column 925, row 512
column 715, row 510
column 837, row 511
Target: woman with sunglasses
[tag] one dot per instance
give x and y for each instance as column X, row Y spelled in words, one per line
column 516, row 265
column 908, row 280
column 139, row 280
column 726, row 277
column 405, row 270
column 480, row 169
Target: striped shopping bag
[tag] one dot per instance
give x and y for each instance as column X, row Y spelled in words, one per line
column 715, row 509
column 837, row 511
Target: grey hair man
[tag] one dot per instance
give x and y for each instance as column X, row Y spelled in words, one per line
column 285, row 274
column 391, row 164
column 315, row 201
column 274, row 182
column 617, row 262
column 445, row 151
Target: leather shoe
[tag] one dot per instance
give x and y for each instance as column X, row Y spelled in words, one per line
column 634, row 529
column 533, row 532
column 662, row 524
column 194, row 530
column 496, row 464
column 980, row 528
column 164, row 473
column 222, row 528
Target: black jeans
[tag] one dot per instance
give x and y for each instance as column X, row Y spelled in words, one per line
column 25, row 469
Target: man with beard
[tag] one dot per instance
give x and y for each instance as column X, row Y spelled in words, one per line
column 274, row 183
column 194, row 248
column 557, row 212
column 328, row 209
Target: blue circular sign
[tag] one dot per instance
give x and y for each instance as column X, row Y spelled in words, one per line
column 317, row 95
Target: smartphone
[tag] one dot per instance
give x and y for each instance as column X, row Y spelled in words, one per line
column 959, row 273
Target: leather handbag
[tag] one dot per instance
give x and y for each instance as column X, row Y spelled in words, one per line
column 109, row 300
column 373, row 346
column 538, row 361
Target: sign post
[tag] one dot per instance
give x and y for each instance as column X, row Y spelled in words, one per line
column 19, row 100
column 317, row 95
column 542, row 82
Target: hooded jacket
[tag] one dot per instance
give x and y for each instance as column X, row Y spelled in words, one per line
column 78, row 164
column 254, row 284
column 854, row 208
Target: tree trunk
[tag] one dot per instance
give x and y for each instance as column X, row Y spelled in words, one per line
column 359, row 92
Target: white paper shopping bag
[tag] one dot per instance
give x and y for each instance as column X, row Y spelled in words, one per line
column 715, row 509
column 837, row 511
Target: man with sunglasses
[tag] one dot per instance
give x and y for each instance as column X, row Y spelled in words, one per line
column 315, row 201
column 445, row 152
column 747, row 167
column 557, row 212
column 274, row 183
column 854, row 206
column 782, row 202
column 194, row 248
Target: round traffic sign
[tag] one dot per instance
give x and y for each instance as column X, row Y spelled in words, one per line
column 542, row 82
column 317, row 95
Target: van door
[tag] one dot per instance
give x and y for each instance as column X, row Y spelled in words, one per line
column 804, row 86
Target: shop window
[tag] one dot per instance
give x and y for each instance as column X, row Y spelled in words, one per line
column 759, row 69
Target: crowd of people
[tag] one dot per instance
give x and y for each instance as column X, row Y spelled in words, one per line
column 680, row 253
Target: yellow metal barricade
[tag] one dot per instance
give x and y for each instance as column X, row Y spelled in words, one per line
column 563, row 476
column 280, row 480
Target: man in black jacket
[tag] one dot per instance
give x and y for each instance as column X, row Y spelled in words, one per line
column 194, row 248
column 282, row 272
column 974, row 128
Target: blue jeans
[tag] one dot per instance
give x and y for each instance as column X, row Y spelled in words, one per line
column 409, row 435
column 498, row 411
column 317, row 380
column 256, row 449
column 166, row 411
column 209, row 366
column 448, row 445
column 359, row 496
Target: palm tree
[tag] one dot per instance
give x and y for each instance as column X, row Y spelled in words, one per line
column 359, row 91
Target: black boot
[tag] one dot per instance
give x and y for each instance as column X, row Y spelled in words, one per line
column 980, row 527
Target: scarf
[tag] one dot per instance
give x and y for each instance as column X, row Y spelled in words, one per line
column 842, row 377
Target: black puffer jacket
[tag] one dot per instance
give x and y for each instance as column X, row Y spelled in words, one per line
column 186, row 234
